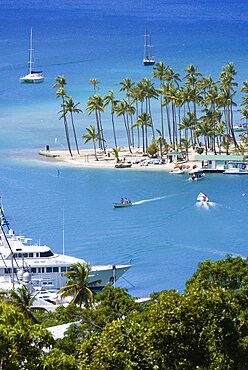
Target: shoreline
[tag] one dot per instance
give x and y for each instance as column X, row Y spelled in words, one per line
column 86, row 159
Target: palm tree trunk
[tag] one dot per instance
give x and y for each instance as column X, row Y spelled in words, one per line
column 74, row 133
column 114, row 133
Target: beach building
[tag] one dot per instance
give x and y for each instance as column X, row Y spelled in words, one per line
column 217, row 162
column 175, row 157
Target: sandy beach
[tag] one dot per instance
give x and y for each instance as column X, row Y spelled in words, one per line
column 87, row 159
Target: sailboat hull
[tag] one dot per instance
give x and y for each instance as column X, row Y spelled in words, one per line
column 149, row 62
column 31, row 80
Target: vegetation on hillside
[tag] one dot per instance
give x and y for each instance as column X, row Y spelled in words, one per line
column 205, row 327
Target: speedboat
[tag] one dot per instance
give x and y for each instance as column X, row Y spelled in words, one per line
column 196, row 174
column 236, row 168
column 202, row 197
column 47, row 269
column 122, row 203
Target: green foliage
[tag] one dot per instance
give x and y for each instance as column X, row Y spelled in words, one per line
column 199, row 150
column 204, row 328
column 56, row 359
column 230, row 274
column 152, row 149
column 21, row 344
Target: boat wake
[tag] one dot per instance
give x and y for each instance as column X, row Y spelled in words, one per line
column 152, row 199
column 206, row 205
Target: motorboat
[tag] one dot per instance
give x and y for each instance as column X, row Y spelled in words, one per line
column 236, row 168
column 202, row 197
column 32, row 76
column 196, row 174
column 123, row 165
column 19, row 256
column 122, row 203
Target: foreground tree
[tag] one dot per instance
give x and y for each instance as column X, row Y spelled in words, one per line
column 78, row 285
column 23, row 298
column 22, row 344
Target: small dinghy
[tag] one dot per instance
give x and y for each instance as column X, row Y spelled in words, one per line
column 202, row 197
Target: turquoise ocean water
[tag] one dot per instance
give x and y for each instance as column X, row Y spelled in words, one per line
column 165, row 234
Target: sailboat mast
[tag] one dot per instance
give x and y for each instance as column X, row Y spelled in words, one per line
column 30, row 51
column 146, row 45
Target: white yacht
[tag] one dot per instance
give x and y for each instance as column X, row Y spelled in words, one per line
column 236, row 168
column 47, row 269
column 32, row 76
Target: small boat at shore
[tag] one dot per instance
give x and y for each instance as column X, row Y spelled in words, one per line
column 123, row 165
column 236, row 168
column 122, row 203
column 202, row 197
column 196, row 174
column 177, row 171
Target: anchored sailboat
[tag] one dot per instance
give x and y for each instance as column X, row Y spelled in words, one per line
column 148, row 58
column 32, row 76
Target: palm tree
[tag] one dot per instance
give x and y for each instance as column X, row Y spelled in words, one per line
column 95, row 104
column 109, row 98
column 144, row 120
column 78, row 285
column 116, row 152
column 122, row 109
column 93, row 136
column 22, row 298
column 70, row 106
column 185, row 143
column 161, row 143
column 95, row 83
column 60, row 93
column 159, row 71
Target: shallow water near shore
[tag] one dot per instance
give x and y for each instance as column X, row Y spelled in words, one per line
column 165, row 234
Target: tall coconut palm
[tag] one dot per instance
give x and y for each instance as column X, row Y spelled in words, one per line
column 110, row 99
column 94, row 82
column 95, row 104
column 60, row 93
column 126, row 85
column 122, row 109
column 144, row 120
column 159, row 71
column 78, row 286
column 70, row 107
column 92, row 135
column 226, row 95
column 22, row 298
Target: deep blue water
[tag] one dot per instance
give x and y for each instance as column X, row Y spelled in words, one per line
column 165, row 237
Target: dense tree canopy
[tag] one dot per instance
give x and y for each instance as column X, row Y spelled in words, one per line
column 205, row 327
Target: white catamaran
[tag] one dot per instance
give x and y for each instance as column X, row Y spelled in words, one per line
column 148, row 58
column 32, row 76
